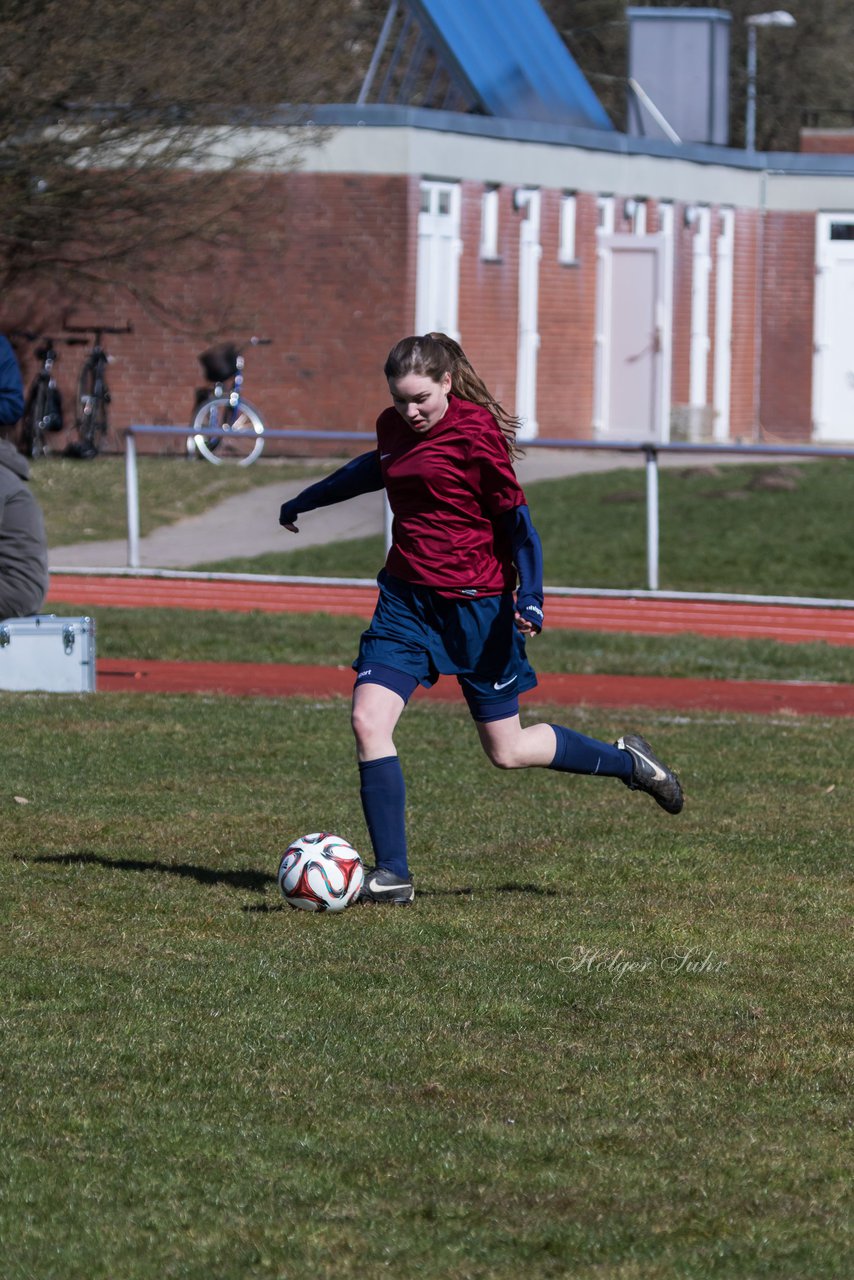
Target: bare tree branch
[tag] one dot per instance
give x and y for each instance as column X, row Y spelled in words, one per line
column 124, row 127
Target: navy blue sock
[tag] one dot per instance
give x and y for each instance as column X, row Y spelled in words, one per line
column 383, row 794
column 577, row 754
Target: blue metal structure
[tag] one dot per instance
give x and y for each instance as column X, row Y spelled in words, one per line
column 504, row 59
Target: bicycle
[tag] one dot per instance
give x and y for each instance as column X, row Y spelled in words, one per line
column 43, row 414
column 93, row 394
column 225, row 409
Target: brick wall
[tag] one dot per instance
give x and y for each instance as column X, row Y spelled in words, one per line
column 787, row 325
column 329, row 277
column 488, row 317
column 743, row 401
column 683, row 266
column 828, row 142
column 329, row 274
column 567, row 322
column 489, row 293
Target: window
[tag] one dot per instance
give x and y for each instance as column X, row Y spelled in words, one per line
column 605, row 205
column 439, row 247
column 489, row 223
column 566, row 240
column 634, row 210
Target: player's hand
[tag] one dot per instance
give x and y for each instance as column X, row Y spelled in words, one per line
column 288, row 517
column 526, row 625
column 528, row 616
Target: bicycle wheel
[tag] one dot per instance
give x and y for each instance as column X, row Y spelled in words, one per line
column 32, row 430
column 92, row 398
column 244, row 425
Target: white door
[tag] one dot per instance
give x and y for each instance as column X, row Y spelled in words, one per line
column 437, row 281
column 528, row 343
column 833, row 361
column 630, row 392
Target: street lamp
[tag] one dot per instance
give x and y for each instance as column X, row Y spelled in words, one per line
column 779, row 18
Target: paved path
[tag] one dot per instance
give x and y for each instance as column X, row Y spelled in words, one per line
column 247, row 525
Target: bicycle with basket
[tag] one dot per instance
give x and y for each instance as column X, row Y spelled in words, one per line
column 222, row 408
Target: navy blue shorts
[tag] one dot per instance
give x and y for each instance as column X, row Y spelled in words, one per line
column 422, row 635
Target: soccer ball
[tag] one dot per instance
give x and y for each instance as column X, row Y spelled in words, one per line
column 320, row 872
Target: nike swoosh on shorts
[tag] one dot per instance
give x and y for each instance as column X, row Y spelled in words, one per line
column 496, row 685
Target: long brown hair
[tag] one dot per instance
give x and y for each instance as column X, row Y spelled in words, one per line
column 434, row 355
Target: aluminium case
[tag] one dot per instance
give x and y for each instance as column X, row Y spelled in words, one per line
column 47, row 653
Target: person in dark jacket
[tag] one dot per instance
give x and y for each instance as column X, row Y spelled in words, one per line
column 23, row 541
column 11, row 387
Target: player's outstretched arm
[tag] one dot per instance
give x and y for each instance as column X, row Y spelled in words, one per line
column 360, row 475
column 527, row 554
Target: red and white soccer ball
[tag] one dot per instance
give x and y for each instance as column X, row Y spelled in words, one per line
column 320, row 872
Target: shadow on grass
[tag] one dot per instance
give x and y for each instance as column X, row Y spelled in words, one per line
column 515, row 887
column 256, row 881
column 466, row 891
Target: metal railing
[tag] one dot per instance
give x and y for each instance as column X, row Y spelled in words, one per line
column 650, row 449
column 132, row 471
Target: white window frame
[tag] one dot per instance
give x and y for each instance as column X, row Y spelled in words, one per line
column 699, row 217
column 566, row 253
column 724, row 280
column 528, row 200
column 489, row 224
column 437, row 277
column 666, row 222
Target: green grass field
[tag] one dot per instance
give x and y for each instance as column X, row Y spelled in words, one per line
column 86, row 501
column 772, row 530
column 745, row 529
column 604, row 1043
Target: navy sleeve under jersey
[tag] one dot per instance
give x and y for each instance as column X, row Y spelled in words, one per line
column 360, row 475
column 449, row 492
column 11, row 389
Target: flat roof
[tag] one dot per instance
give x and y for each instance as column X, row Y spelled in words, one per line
column 378, row 115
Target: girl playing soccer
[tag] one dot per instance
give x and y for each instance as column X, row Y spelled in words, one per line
column 462, row 543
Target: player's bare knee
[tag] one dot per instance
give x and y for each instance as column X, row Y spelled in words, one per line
column 502, row 755
column 371, row 735
column 363, row 726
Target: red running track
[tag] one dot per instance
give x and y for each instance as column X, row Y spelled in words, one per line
column 791, row 624
column 279, row 680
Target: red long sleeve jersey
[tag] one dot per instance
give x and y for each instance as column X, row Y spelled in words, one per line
column 448, row 490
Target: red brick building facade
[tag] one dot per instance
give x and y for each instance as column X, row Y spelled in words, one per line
column 652, row 293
